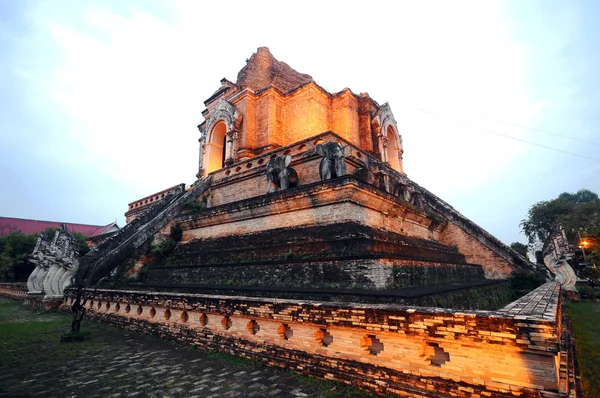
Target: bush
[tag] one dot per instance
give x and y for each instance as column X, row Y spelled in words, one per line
column 176, row 232
column 162, row 249
column 524, row 280
column 195, row 205
column 15, row 248
column 81, row 240
column 588, row 292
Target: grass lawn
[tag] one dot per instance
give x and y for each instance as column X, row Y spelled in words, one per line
column 585, row 316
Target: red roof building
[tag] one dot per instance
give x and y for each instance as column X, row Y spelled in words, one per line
column 8, row 225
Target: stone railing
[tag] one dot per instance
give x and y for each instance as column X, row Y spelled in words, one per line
column 480, row 234
column 382, row 348
column 98, row 262
column 141, row 205
column 13, row 290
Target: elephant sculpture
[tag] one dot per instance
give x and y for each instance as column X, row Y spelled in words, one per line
column 279, row 175
column 333, row 163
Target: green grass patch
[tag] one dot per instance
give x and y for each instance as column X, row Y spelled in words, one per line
column 30, row 337
column 585, row 317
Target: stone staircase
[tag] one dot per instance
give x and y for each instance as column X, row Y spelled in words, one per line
column 103, row 259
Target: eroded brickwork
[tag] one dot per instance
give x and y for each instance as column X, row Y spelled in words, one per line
column 495, row 266
column 13, row 290
column 397, row 349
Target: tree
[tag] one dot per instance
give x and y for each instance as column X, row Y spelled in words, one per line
column 82, row 246
column 578, row 215
column 16, row 247
column 571, row 211
column 519, row 248
column 592, row 274
column 14, row 250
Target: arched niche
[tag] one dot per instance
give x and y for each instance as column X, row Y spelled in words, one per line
column 393, row 148
column 215, row 147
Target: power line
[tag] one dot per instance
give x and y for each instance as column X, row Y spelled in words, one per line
column 539, row 130
column 509, row 136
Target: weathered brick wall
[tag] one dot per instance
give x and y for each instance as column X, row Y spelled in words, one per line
column 13, row 290
column 248, row 179
column 345, row 117
column 329, row 202
column 307, row 112
column 273, row 119
column 494, row 266
column 476, row 243
column 243, row 181
column 384, row 348
column 478, row 295
column 361, row 274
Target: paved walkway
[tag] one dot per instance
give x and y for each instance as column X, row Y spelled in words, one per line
column 117, row 363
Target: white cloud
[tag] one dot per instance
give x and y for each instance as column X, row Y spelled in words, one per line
column 132, row 84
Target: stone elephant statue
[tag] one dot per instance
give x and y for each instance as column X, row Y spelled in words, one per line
column 279, row 175
column 333, row 163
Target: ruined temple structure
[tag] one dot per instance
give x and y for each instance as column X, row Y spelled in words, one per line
column 304, row 244
column 308, row 191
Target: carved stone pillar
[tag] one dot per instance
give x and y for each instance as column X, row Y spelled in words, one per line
column 231, row 142
column 376, row 137
column 383, row 144
column 201, row 153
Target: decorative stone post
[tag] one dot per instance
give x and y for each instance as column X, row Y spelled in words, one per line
column 384, row 145
column 202, row 151
column 231, row 142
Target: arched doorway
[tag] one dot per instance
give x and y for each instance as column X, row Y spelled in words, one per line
column 215, row 153
column 393, row 149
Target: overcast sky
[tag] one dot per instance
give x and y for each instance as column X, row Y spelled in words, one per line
column 99, row 100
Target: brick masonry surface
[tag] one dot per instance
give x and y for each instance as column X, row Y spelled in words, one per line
column 384, row 348
column 419, row 351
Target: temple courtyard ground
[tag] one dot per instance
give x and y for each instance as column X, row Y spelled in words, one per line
column 118, row 363
column 585, row 316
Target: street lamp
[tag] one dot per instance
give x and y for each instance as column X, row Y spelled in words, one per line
column 583, row 244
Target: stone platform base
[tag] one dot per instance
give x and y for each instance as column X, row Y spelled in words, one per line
column 343, row 256
column 410, row 351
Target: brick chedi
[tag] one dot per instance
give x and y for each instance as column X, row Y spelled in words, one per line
column 304, row 244
column 271, row 106
column 366, row 228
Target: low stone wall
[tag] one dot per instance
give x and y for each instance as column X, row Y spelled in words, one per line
column 416, row 351
column 13, row 290
column 19, row 291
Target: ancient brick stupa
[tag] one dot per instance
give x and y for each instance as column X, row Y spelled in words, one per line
column 303, row 195
column 304, row 244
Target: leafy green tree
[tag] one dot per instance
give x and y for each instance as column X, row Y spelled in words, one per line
column 14, row 250
column 16, row 247
column 571, row 211
column 81, row 240
column 519, row 248
column 577, row 213
column 592, row 274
